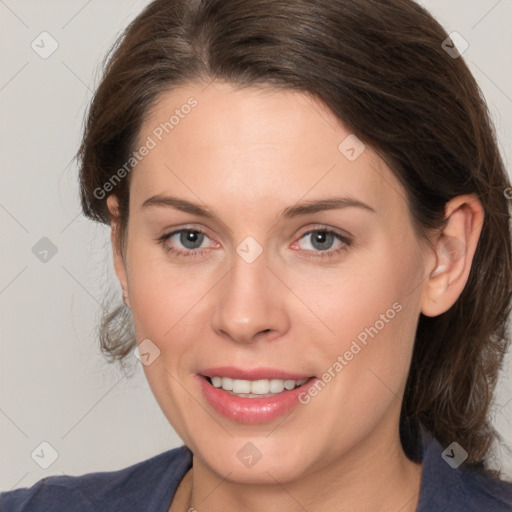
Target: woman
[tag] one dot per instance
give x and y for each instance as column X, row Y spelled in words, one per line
column 311, row 231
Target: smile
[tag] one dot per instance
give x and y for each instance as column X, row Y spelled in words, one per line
column 254, row 388
column 252, row 396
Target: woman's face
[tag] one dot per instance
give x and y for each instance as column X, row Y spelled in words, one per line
column 272, row 288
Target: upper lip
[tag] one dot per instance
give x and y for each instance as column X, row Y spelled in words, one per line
column 251, row 373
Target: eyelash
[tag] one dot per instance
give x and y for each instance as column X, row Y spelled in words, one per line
column 191, row 253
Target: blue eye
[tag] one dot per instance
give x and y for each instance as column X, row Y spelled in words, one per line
column 190, row 239
column 322, row 240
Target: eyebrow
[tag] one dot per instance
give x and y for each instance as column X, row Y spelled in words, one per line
column 296, row 210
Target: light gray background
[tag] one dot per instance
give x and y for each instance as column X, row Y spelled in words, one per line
column 55, row 385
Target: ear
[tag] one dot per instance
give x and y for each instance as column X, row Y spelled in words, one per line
column 453, row 255
column 119, row 261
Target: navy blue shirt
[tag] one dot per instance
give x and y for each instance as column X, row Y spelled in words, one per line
column 150, row 485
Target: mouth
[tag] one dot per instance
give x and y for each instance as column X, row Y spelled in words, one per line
column 259, row 388
column 252, row 396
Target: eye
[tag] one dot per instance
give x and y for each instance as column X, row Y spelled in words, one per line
column 190, row 240
column 322, row 240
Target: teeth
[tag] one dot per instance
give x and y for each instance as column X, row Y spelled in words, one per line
column 260, row 387
column 226, row 383
column 276, row 385
column 289, row 384
column 217, row 382
column 255, row 387
column 241, row 386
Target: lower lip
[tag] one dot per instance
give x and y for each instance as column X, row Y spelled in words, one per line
column 252, row 410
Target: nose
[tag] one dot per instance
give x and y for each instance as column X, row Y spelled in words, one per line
column 251, row 303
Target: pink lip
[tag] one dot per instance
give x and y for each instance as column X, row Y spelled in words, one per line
column 251, row 410
column 251, row 374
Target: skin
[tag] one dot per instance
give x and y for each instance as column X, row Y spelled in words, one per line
column 247, row 154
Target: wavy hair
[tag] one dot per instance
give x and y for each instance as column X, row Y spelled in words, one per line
column 382, row 70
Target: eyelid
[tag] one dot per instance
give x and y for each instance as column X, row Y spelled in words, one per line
column 324, row 227
column 170, row 231
column 178, row 230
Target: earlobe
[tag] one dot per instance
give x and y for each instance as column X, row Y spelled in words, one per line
column 454, row 249
column 118, row 259
column 126, row 299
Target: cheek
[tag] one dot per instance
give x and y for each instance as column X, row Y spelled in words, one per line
column 367, row 298
column 163, row 295
column 169, row 305
column 371, row 311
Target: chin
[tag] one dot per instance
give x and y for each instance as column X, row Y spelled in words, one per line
column 254, row 460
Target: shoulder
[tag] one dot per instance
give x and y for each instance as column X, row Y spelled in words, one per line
column 148, row 485
column 444, row 487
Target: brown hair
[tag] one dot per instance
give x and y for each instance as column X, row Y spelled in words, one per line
column 381, row 68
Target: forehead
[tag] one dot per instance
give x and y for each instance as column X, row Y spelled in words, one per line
column 221, row 143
